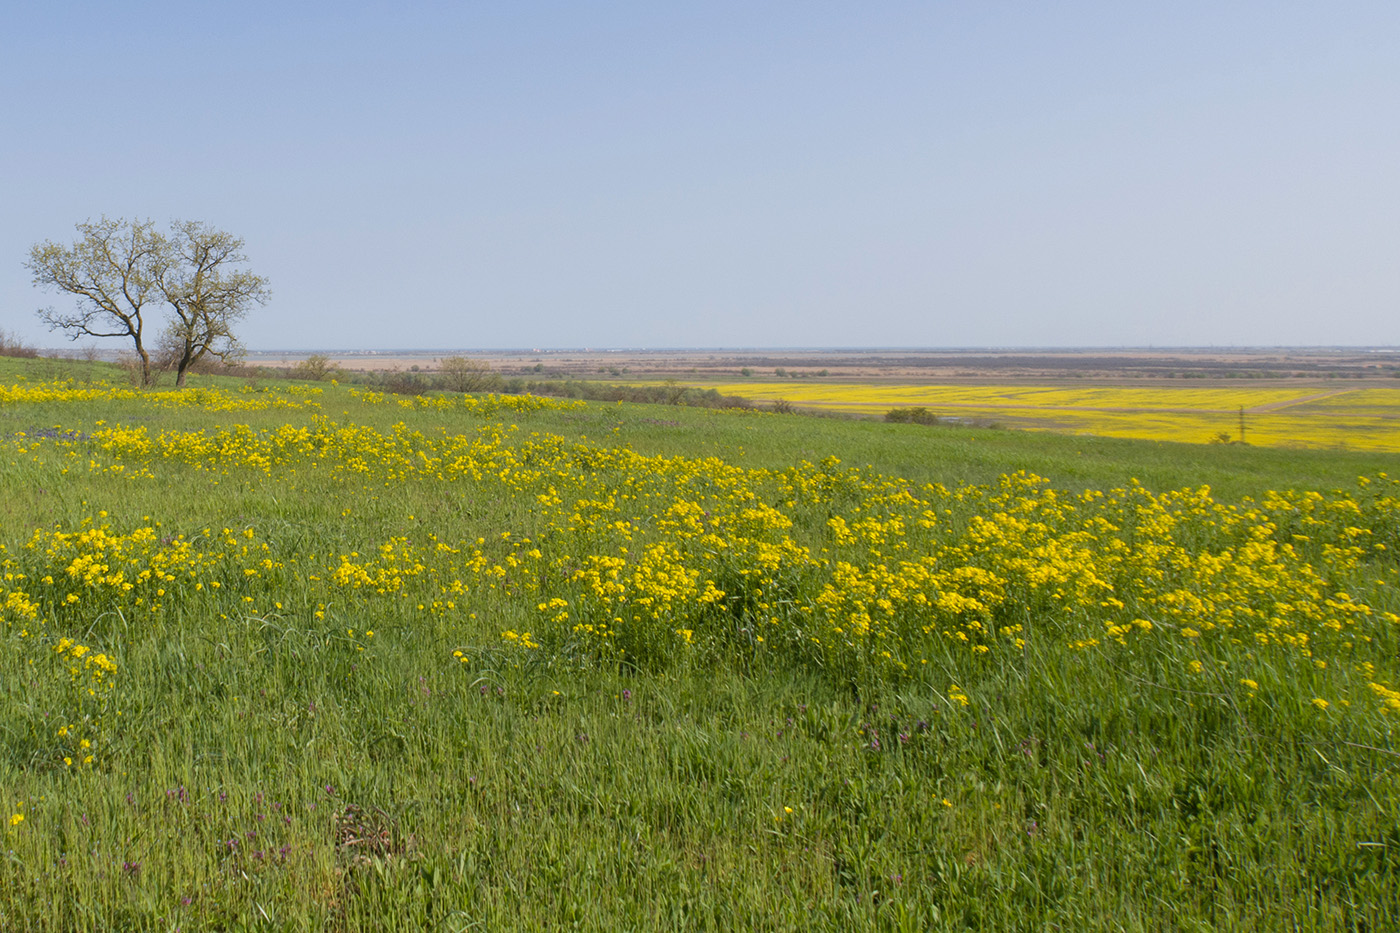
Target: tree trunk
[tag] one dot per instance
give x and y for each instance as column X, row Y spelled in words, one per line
column 187, row 359
column 145, row 364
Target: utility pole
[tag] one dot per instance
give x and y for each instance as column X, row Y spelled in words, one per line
column 1242, row 424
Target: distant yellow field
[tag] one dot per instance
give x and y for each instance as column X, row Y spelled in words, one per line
column 1306, row 416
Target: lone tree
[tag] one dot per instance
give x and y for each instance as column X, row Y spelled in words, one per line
column 117, row 268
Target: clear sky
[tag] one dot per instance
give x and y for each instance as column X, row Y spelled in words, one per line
column 520, row 174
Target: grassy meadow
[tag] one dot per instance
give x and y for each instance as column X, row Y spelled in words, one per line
column 1305, row 416
column 304, row 657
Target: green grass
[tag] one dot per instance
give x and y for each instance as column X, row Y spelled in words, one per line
column 266, row 767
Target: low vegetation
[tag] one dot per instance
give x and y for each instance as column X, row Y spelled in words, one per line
column 320, row 657
column 13, row 346
column 917, row 414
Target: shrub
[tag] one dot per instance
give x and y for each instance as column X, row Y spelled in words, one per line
column 460, row 374
column 13, row 346
column 317, row 367
column 916, row 415
column 686, row 396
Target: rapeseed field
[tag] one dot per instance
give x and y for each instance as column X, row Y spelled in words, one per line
column 1303, row 417
column 307, row 658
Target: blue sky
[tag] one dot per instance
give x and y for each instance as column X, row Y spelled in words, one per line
column 732, row 174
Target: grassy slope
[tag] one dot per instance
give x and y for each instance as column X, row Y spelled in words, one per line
column 945, row 454
column 410, row 792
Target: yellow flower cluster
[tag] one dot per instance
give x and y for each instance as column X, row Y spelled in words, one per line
column 657, row 558
column 208, row 399
column 523, row 639
column 94, row 568
column 85, row 698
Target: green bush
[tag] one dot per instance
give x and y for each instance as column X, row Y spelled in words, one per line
column 917, row 415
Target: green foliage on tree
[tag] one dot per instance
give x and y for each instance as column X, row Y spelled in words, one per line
column 117, row 269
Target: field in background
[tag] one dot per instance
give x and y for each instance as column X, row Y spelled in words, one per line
column 1319, row 365
column 307, row 656
column 1293, row 416
column 1293, row 398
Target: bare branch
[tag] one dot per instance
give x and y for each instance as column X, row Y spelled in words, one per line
column 206, row 293
column 108, row 270
column 117, row 267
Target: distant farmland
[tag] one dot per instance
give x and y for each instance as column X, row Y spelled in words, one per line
column 1360, row 418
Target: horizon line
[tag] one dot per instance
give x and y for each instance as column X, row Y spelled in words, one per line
column 970, row 348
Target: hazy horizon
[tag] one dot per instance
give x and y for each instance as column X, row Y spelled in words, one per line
column 631, row 175
column 114, row 349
